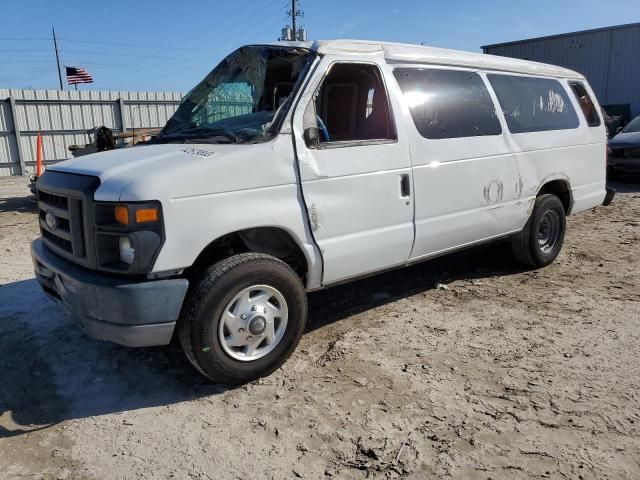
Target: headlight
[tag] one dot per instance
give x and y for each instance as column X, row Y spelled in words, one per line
column 128, row 236
column 127, row 253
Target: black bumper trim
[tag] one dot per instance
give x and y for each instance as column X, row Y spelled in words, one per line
column 131, row 313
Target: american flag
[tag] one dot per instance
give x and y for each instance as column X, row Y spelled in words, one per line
column 78, row 75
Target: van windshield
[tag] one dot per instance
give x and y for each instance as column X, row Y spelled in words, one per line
column 242, row 100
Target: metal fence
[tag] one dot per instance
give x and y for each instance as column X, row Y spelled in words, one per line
column 227, row 100
column 63, row 118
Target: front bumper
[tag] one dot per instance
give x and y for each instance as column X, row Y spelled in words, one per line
column 608, row 198
column 624, row 165
column 130, row 313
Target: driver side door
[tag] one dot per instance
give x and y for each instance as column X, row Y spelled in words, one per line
column 355, row 169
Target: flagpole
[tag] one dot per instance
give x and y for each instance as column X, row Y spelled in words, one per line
column 55, row 45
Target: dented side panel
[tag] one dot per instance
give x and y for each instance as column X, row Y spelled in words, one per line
column 462, row 201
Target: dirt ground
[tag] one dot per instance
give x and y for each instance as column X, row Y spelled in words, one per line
column 503, row 374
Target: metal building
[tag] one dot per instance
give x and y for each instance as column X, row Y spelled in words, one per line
column 609, row 58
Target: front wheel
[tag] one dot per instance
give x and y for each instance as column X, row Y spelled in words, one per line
column 244, row 318
column 540, row 242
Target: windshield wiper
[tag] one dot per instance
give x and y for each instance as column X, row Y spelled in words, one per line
column 197, row 133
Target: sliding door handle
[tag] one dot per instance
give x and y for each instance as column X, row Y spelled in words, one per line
column 405, row 185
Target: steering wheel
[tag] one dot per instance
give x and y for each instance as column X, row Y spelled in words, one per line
column 323, row 129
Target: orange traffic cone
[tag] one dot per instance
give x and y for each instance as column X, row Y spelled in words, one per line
column 39, row 155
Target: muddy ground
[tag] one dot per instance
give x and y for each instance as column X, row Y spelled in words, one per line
column 505, row 374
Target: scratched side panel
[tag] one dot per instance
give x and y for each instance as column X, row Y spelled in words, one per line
column 581, row 166
column 461, row 202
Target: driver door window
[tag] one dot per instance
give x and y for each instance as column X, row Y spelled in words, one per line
column 351, row 105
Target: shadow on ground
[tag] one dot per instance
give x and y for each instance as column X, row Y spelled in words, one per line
column 18, row 204
column 52, row 372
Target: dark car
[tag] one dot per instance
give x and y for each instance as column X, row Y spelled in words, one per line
column 624, row 150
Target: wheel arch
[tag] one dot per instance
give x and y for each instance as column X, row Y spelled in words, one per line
column 561, row 188
column 275, row 241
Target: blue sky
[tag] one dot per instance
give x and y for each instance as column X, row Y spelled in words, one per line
column 171, row 45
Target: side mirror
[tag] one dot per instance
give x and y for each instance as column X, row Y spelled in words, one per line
column 312, row 137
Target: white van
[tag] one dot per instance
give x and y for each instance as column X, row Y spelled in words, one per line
column 295, row 166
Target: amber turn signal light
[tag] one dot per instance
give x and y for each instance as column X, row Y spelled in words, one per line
column 145, row 215
column 121, row 213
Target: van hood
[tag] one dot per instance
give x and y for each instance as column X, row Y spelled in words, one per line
column 116, row 162
column 170, row 171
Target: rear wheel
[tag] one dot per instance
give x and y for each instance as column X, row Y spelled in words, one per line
column 540, row 242
column 244, row 318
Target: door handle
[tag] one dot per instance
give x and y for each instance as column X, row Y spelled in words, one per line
column 405, row 185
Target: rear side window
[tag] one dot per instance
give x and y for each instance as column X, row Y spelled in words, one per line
column 589, row 110
column 534, row 104
column 448, row 103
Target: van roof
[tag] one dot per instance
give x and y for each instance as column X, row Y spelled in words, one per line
column 410, row 53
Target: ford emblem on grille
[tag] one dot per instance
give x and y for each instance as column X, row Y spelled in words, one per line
column 52, row 221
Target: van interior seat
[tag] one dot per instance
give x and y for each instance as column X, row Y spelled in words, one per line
column 353, row 104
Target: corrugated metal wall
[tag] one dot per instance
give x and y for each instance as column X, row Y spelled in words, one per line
column 609, row 58
column 63, row 117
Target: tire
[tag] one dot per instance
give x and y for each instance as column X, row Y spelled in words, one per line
column 540, row 242
column 215, row 346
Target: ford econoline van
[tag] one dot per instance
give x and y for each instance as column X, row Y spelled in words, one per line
column 295, row 166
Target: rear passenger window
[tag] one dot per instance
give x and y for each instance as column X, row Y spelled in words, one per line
column 448, row 103
column 534, row 104
column 589, row 110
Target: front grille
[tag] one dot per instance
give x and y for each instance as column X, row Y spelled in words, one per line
column 61, row 222
column 57, row 241
column 56, row 201
column 632, row 153
column 65, row 214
